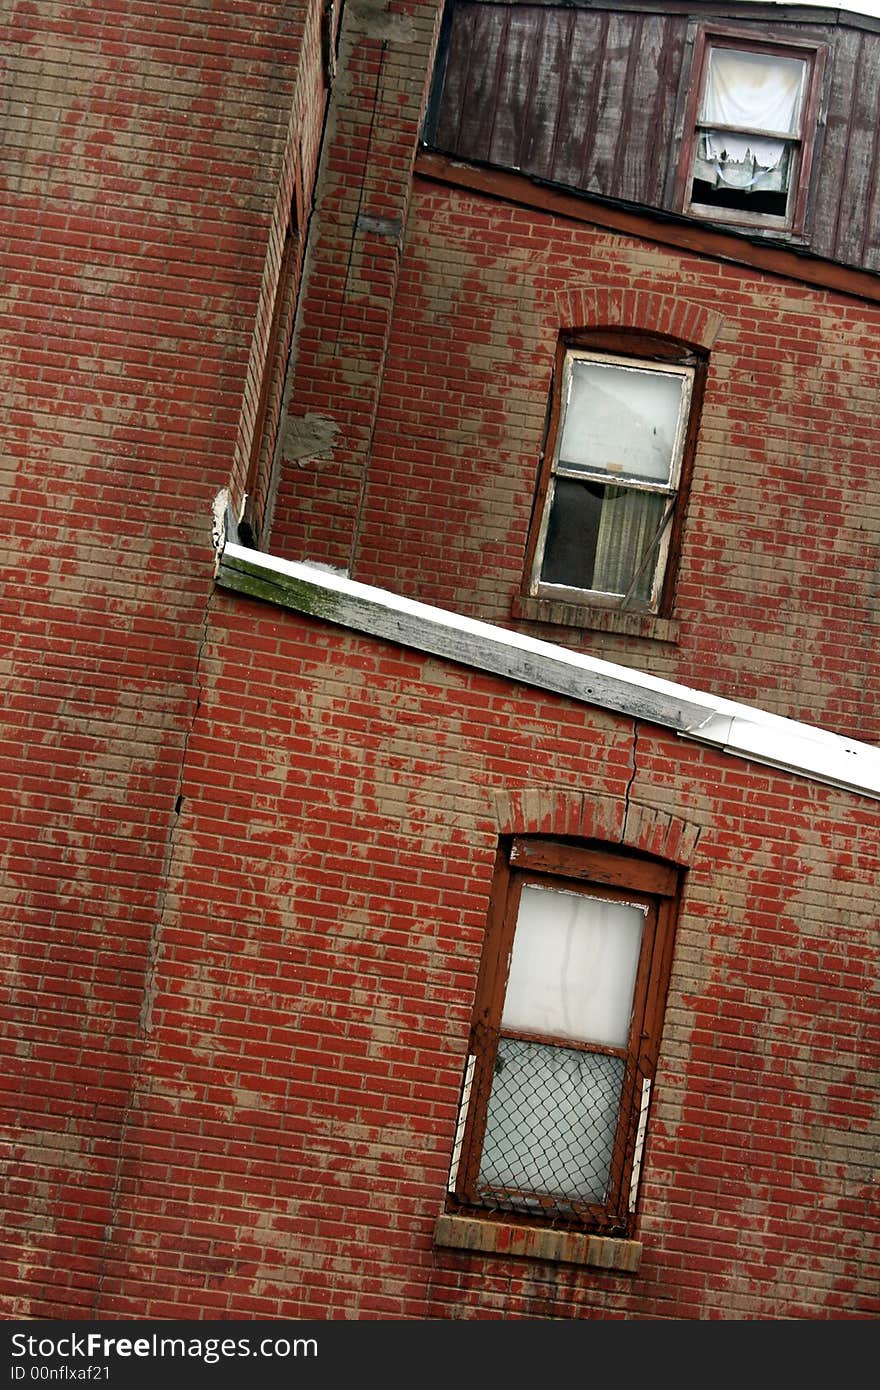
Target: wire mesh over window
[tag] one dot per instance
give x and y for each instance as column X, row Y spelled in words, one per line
column 551, row 1121
column 554, row 1144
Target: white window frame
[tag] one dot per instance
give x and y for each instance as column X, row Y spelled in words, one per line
column 656, row 557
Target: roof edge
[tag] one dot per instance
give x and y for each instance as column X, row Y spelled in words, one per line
column 739, row 730
column 738, row 246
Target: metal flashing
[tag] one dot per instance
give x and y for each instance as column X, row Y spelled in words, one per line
column 740, row 730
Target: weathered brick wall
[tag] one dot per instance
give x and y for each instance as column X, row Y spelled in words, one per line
column 315, row 970
column 362, row 197
column 144, row 146
column 292, row 923
column 777, row 591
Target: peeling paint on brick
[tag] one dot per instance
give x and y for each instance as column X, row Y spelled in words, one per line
column 307, row 437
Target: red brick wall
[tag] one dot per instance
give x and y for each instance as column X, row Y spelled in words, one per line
column 355, row 244
column 776, row 599
column 291, row 1137
column 143, row 153
column 297, row 946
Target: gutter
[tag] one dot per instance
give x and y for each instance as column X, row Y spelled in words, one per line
column 698, row 716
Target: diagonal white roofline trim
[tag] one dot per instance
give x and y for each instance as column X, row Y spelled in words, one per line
column 740, row 730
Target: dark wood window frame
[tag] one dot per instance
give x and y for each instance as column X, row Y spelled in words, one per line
column 815, row 54
column 641, row 350
column 609, row 875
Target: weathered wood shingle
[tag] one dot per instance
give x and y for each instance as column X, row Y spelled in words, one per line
column 592, row 99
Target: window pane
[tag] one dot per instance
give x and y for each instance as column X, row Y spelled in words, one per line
column 597, row 537
column 622, row 420
column 739, row 165
column 573, row 966
column 551, row 1123
column 753, row 91
column 572, row 531
column 627, row 527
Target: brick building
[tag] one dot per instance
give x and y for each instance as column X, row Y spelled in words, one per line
column 441, row 759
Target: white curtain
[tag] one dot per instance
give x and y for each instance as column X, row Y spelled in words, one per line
column 573, row 966
column 752, row 91
column 627, row 526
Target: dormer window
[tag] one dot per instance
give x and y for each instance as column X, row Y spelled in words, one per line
column 750, row 131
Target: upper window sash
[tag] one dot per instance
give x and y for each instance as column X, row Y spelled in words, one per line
column 622, row 420
column 761, row 93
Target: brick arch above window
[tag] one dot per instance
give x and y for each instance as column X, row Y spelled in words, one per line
column 666, row 316
column 593, row 816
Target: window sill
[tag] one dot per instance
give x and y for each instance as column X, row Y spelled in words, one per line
column 537, row 1243
column 754, row 225
column 595, row 619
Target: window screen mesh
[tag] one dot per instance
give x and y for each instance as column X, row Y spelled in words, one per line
column 553, row 1145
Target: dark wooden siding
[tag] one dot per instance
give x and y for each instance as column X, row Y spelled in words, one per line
column 589, row 98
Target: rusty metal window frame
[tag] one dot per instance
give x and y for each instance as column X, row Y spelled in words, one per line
column 596, row 873
column 708, row 38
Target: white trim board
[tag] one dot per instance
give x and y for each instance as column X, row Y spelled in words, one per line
column 740, row 730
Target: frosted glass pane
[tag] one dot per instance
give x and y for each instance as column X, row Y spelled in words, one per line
column 551, row 1122
column 622, row 421
column 573, row 966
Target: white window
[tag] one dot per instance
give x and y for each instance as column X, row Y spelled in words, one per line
column 610, row 495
